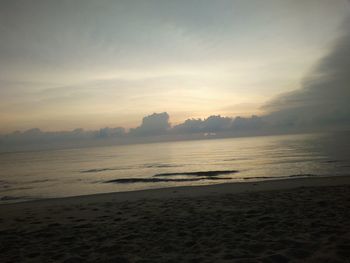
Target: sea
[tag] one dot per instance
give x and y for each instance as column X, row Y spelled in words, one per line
column 82, row 171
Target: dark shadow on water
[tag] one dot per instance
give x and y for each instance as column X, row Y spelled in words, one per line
column 332, row 161
column 156, row 180
column 97, row 170
column 101, row 170
column 279, row 177
column 202, row 173
column 155, row 165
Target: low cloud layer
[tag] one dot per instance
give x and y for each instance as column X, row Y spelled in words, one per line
column 155, row 127
column 210, row 124
column 35, row 139
column 324, row 97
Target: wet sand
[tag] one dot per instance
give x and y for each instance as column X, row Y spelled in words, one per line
column 295, row 220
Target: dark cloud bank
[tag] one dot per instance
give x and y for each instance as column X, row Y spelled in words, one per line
column 324, row 99
column 321, row 104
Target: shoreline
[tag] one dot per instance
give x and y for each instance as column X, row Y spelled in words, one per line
column 198, row 190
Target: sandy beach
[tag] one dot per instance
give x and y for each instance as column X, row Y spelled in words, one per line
column 294, row 220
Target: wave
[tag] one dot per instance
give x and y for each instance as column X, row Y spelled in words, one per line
column 9, row 198
column 201, row 173
column 332, row 161
column 151, row 165
column 97, row 170
column 302, row 175
column 159, row 165
column 236, row 159
column 157, row 180
column 279, row 177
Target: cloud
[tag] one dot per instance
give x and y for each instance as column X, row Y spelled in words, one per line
column 252, row 123
column 323, row 99
column 35, row 139
column 217, row 124
column 110, row 132
column 155, row 124
column 214, row 123
column 154, row 127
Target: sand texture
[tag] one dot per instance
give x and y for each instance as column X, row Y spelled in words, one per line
column 304, row 221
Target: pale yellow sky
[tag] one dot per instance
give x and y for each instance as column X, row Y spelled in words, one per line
column 92, row 64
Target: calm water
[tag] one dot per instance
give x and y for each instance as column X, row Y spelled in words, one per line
column 32, row 175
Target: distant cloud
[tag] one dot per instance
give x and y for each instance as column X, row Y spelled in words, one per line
column 155, row 124
column 211, row 124
column 253, row 123
column 110, row 132
column 217, row 124
column 325, row 93
column 154, row 127
column 35, row 139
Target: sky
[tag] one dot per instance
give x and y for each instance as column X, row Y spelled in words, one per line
column 91, row 64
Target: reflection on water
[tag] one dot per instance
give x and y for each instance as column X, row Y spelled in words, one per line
column 73, row 172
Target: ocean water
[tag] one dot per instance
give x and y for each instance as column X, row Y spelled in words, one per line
column 72, row 172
